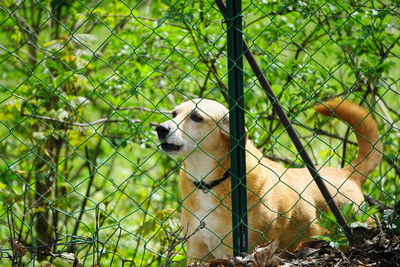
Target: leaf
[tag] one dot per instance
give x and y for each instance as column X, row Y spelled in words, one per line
column 147, row 228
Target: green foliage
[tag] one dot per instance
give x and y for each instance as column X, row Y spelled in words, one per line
column 354, row 216
column 84, row 82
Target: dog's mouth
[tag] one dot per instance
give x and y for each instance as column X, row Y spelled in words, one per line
column 170, row 147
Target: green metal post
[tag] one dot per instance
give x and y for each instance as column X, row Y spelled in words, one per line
column 237, row 126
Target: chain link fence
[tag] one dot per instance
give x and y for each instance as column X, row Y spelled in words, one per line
column 84, row 83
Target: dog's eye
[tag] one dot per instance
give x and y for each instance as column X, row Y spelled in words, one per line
column 173, row 114
column 196, row 117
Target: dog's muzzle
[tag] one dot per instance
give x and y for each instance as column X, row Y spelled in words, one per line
column 162, row 133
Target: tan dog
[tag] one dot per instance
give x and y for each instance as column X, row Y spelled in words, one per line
column 283, row 204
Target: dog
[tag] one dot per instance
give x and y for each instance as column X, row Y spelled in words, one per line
column 283, row 204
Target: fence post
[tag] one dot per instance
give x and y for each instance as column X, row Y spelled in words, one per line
column 289, row 129
column 237, row 126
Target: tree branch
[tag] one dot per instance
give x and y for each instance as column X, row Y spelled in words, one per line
column 103, row 120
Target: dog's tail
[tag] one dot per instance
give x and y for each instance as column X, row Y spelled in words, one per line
column 370, row 148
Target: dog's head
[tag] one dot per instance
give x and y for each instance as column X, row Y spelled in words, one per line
column 196, row 124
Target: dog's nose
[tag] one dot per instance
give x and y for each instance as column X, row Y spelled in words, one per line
column 162, row 131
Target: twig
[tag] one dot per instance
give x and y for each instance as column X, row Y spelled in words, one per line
column 281, row 12
column 316, row 131
column 145, row 109
column 92, row 169
column 103, row 120
column 166, row 23
column 373, row 201
column 388, row 119
column 174, row 240
column 177, row 49
column 392, row 164
column 143, row 18
column 211, row 67
column 291, row 163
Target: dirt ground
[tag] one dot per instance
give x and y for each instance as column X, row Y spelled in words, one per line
column 381, row 249
column 376, row 247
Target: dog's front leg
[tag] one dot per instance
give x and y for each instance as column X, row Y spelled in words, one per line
column 197, row 250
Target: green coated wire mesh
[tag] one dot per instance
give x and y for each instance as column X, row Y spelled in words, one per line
column 84, row 83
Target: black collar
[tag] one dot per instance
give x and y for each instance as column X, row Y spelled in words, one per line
column 208, row 186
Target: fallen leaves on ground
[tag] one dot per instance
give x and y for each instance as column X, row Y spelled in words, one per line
column 376, row 247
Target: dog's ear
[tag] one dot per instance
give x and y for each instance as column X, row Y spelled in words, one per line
column 224, row 127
